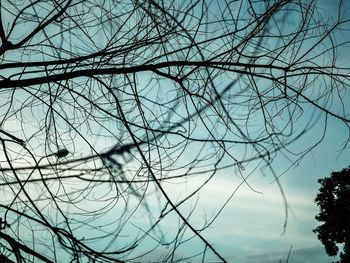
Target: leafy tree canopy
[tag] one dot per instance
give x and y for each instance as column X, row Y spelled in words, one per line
column 334, row 202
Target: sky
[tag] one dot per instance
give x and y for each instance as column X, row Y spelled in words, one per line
column 250, row 229
column 257, row 219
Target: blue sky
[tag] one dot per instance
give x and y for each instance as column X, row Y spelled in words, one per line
column 250, row 229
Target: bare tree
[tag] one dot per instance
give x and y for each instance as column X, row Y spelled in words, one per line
column 106, row 103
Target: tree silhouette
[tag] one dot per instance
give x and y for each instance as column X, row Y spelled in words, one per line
column 107, row 106
column 334, row 202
